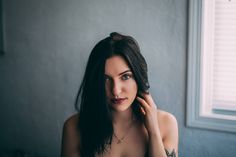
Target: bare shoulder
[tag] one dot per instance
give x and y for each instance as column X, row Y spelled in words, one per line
column 166, row 117
column 167, row 122
column 71, row 122
column 70, row 126
column 169, row 129
column 70, row 137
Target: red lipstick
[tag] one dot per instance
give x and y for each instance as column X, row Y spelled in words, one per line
column 118, row 100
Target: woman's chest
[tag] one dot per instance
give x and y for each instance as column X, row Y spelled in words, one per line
column 134, row 145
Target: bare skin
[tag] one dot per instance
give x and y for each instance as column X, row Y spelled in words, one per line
column 134, row 146
column 158, row 132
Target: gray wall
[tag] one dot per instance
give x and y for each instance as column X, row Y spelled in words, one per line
column 47, row 44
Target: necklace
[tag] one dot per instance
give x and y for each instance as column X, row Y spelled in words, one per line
column 120, row 140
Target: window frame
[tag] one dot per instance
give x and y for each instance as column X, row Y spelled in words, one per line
column 195, row 118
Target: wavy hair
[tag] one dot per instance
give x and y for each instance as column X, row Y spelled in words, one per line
column 95, row 119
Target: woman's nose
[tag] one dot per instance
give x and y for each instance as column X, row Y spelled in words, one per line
column 116, row 88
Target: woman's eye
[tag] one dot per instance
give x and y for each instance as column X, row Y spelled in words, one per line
column 126, row 77
column 107, row 78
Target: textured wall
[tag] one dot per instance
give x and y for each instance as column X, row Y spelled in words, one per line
column 47, row 44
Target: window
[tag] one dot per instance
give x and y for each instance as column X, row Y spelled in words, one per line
column 211, row 92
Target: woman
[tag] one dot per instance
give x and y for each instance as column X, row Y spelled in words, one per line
column 117, row 116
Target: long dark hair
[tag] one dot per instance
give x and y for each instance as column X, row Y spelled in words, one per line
column 95, row 120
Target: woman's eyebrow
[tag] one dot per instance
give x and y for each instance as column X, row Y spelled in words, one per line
column 124, row 72
column 120, row 73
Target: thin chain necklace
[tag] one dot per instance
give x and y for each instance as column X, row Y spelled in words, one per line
column 120, row 140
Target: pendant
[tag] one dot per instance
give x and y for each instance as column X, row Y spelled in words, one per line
column 119, row 141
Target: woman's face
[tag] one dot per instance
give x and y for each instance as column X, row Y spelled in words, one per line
column 121, row 88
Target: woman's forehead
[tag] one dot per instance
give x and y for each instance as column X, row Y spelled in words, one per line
column 116, row 65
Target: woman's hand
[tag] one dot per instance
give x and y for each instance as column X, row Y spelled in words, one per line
column 157, row 145
column 149, row 110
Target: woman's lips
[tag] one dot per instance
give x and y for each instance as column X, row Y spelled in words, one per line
column 118, row 101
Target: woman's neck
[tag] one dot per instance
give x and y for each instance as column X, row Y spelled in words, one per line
column 122, row 119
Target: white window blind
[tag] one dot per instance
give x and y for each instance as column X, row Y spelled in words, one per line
column 211, row 90
column 224, row 55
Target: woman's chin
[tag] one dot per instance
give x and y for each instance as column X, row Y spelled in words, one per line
column 120, row 108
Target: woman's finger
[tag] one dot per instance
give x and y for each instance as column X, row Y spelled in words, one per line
column 142, row 110
column 149, row 99
column 143, row 103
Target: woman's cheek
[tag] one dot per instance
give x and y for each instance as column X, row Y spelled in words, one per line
column 131, row 86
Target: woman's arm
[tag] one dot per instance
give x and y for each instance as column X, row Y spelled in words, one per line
column 165, row 145
column 70, row 138
column 169, row 142
column 171, row 138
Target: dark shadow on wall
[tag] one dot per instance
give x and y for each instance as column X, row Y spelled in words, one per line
column 1, row 29
column 14, row 153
